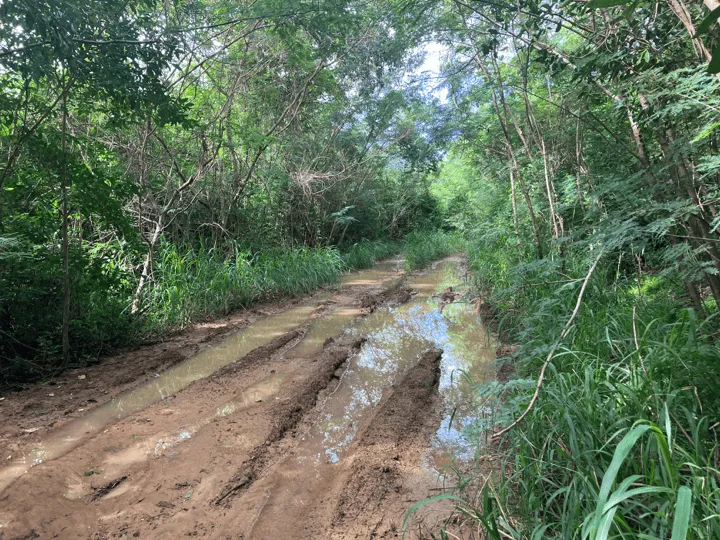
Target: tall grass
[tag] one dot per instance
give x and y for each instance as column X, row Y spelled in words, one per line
column 425, row 246
column 366, row 253
column 199, row 284
column 194, row 285
column 622, row 442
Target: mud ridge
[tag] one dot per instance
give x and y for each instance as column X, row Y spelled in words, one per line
column 392, row 441
column 38, row 408
column 289, row 413
column 393, row 297
column 259, row 355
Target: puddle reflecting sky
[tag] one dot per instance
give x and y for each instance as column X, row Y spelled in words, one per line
column 396, row 337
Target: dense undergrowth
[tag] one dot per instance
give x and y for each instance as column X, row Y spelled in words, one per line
column 622, row 440
column 422, row 247
column 201, row 284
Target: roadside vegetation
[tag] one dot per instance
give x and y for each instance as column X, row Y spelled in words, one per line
column 586, row 182
column 165, row 163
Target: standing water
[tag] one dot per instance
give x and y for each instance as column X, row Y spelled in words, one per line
column 396, row 338
column 180, row 376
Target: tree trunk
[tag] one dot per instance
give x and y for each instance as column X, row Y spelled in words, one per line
column 147, row 265
column 503, row 120
column 514, row 200
column 679, row 9
column 580, row 167
column 690, row 286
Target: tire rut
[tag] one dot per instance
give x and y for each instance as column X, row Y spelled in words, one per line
column 289, row 413
column 385, row 451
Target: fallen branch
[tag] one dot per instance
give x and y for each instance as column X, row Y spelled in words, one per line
column 550, row 356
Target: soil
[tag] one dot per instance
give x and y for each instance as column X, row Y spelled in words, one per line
column 225, row 457
column 505, row 368
column 28, row 415
column 382, row 473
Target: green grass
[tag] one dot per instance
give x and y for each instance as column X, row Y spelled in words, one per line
column 195, row 285
column 366, row 253
column 199, row 284
column 426, row 246
column 622, row 441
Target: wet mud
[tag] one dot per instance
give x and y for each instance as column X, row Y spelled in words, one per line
column 326, row 419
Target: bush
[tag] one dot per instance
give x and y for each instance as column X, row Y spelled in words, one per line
column 194, row 285
column 620, row 440
column 367, row 252
column 423, row 247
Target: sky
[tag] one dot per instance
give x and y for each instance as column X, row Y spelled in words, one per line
column 429, row 71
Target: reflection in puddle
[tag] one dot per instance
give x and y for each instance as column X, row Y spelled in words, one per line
column 396, row 338
column 180, row 376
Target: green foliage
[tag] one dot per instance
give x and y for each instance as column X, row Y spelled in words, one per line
column 581, row 135
column 366, row 253
column 423, row 247
column 189, row 285
column 31, row 306
column 197, row 157
column 198, row 285
column 619, row 441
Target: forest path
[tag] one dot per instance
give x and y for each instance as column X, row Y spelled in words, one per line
column 328, row 420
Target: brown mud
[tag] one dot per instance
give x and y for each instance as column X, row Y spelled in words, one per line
column 324, row 418
column 384, row 461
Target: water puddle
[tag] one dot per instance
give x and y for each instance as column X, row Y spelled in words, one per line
column 396, row 337
column 197, row 367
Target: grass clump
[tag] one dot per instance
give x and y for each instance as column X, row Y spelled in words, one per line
column 199, row 284
column 193, row 285
column 423, row 247
column 365, row 253
column 187, row 284
column 622, row 441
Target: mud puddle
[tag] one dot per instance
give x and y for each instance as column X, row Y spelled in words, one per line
column 200, row 366
column 396, row 338
column 329, row 430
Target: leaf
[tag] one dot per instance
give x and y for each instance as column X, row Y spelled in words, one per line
column 714, row 65
column 707, row 22
column 683, row 511
column 599, row 528
column 189, row 494
column 597, row 4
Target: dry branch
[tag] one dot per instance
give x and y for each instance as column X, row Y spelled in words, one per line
column 550, row 356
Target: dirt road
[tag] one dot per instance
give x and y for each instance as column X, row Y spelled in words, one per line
column 319, row 418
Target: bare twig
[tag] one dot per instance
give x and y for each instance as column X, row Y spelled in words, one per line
column 550, row 356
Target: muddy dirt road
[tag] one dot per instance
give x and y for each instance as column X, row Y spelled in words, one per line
column 322, row 418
